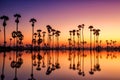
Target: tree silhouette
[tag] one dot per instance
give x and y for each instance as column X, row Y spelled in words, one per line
column 53, row 33
column 17, row 16
column 39, row 37
column 4, row 18
column 90, row 27
column 43, row 38
column 10, row 41
column 14, row 35
column 32, row 20
column 94, row 33
column 79, row 27
column 83, row 34
column 97, row 36
column 57, row 34
column 49, row 29
column 74, row 38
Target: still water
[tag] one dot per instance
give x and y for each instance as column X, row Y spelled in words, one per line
column 60, row 65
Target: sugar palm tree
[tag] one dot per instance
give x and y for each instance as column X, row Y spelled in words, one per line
column 43, row 37
column 33, row 20
column 97, row 36
column 4, row 18
column 70, row 34
column 69, row 40
column 91, row 29
column 79, row 27
column 57, row 34
column 49, row 29
column 78, row 35
column 94, row 33
column 83, row 34
column 74, row 38
column 53, row 33
column 10, row 41
column 14, row 35
column 17, row 16
column 39, row 37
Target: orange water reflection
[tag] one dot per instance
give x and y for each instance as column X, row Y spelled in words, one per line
column 60, row 65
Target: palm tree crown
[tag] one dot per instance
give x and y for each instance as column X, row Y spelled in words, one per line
column 5, row 18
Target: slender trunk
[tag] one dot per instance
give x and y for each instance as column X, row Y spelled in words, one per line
column 32, row 34
column 4, row 37
column 83, row 38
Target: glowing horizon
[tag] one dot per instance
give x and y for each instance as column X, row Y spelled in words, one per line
column 64, row 16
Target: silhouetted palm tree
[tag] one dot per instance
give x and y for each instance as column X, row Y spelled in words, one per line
column 71, row 32
column 74, row 38
column 32, row 20
column 53, row 33
column 94, row 33
column 91, row 29
column 39, row 37
column 57, row 34
column 79, row 27
column 4, row 18
column 83, row 34
column 10, row 41
column 17, row 16
column 69, row 40
column 34, row 39
column 14, row 35
column 44, row 38
column 97, row 36
column 49, row 29
column 78, row 35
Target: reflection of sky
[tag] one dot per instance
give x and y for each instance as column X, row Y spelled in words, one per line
column 109, row 67
column 64, row 15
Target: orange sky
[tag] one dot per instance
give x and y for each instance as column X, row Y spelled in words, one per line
column 64, row 17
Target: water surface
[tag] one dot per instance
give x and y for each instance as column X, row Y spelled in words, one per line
column 60, row 65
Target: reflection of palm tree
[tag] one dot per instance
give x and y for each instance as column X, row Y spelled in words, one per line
column 32, row 20
column 57, row 64
column 3, row 67
column 32, row 74
column 90, row 27
column 74, row 67
column 49, row 70
column 5, row 18
column 39, row 57
column 91, row 70
column 43, row 61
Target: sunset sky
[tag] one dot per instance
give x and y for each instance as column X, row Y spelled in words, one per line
column 63, row 15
